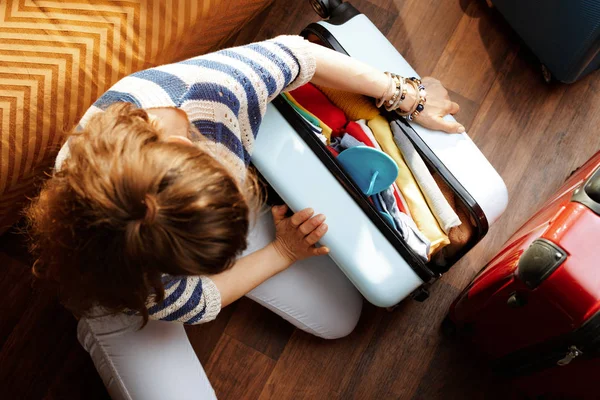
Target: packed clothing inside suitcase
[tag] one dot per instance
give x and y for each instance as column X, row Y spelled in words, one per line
column 375, row 152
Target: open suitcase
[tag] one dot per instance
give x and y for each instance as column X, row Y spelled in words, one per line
column 535, row 308
column 304, row 174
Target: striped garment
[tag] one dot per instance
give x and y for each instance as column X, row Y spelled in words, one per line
column 225, row 96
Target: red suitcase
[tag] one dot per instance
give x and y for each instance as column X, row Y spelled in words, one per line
column 535, row 308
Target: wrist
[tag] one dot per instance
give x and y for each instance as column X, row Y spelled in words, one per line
column 410, row 100
column 282, row 258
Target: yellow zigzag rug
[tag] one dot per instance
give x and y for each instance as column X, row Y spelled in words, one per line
column 57, row 57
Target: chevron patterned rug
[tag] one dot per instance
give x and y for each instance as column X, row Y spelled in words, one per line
column 57, row 57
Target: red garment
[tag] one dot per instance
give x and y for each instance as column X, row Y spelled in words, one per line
column 319, row 105
column 356, row 131
column 333, row 151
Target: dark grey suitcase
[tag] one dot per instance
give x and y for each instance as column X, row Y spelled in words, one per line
column 563, row 34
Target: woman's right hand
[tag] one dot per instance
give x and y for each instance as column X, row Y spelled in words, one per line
column 438, row 105
column 297, row 235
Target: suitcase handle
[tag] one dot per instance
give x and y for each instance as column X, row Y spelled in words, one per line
column 588, row 194
column 539, row 261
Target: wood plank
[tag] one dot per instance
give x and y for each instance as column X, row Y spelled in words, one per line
column 237, row 371
column 315, row 368
column 401, row 348
column 205, row 337
column 422, row 30
column 36, row 348
column 468, row 109
column 15, row 294
column 259, row 328
column 456, row 369
column 475, row 53
column 77, row 379
column 293, row 19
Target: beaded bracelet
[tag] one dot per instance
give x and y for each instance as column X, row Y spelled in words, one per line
column 420, row 100
column 397, row 85
column 392, row 88
column 399, row 95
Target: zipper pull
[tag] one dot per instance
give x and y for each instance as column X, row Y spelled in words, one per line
column 570, row 356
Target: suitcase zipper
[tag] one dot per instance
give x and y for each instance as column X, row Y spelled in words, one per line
column 558, row 352
column 572, row 353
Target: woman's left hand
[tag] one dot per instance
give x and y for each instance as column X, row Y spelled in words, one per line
column 437, row 106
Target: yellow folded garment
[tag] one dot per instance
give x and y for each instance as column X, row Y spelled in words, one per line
column 355, row 106
column 419, row 210
column 326, row 129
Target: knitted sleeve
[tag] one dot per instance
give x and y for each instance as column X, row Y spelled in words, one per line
column 260, row 70
column 190, row 300
column 229, row 90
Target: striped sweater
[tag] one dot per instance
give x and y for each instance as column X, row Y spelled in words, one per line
column 225, row 96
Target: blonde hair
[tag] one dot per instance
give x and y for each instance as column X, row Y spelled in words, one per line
column 127, row 207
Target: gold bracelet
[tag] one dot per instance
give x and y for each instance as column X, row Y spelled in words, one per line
column 392, row 85
column 420, row 99
column 400, row 94
column 399, row 88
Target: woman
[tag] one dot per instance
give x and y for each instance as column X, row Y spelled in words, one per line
column 146, row 220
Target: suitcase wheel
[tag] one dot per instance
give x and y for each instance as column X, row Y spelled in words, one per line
column 452, row 330
column 448, row 328
column 546, row 74
column 324, row 7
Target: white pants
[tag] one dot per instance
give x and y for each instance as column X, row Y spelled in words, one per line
column 158, row 362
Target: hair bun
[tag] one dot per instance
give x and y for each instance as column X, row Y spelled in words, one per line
column 151, row 209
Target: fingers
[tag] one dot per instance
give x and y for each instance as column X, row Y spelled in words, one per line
column 312, row 224
column 449, row 126
column 319, row 251
column 279, row 213
column 317, row 234
column 301, row 216
column 454, row 108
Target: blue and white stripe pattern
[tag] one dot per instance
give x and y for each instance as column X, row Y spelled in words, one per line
column 225, row 96
column 190, row 300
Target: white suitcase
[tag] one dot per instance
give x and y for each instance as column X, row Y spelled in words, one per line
column 300, row 169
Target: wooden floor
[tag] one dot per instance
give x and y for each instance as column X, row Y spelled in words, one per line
column 533, row 133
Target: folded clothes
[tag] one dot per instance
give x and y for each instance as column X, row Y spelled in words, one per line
column 312, row 124
column 317, row 130
column 420, row 212
column 459, row 236
column 344, row 142
column 313, row 100
column 326, row 130
column 355, row 106
column 322, row 138
column 373, row 143
column 409, row 232
column 438, row 204
column 333, row 151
